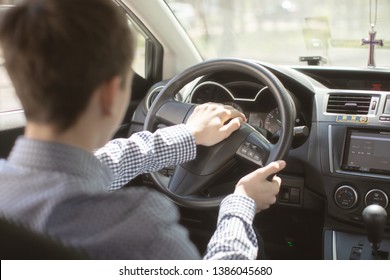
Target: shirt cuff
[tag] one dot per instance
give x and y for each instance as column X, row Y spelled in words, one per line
column 185, row 140
column 239, row 206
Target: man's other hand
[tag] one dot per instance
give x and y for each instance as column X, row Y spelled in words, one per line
column 256, row 186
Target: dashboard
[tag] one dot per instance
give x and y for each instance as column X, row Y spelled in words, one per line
column 341, row 163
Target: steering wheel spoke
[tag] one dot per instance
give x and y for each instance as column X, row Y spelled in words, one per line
column 255, row 149
column 184, row 182
column 173, row 112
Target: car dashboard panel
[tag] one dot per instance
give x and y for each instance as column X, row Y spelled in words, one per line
column 354, row 140
column 337, row 168
column 354, row 144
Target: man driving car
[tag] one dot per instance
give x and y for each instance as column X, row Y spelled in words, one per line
column 70, row 63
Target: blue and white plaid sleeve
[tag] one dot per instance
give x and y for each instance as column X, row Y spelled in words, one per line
column 147, row 152
column 234, row 238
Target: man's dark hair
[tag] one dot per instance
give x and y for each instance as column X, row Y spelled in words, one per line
column 57, row 52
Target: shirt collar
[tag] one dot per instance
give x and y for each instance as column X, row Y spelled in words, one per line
column 56, row 157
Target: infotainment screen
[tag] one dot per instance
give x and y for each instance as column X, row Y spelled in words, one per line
column 367, row 151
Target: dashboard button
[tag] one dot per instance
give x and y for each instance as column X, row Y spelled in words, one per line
column 376, row 196
column 256, row 157
column 345, row 197
column 373, row 105
column 244, row 150
column 295, row 195
column 384, row 118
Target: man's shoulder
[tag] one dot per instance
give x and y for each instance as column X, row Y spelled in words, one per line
column 123, row 223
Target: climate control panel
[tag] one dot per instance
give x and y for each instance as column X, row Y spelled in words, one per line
column 346, row 197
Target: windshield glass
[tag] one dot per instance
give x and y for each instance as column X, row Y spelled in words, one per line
column 282, row 31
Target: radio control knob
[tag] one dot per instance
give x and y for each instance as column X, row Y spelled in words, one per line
column 376, row 196
column 345, row 197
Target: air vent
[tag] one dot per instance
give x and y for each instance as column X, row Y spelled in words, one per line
column 152, row 96
column 349, row 104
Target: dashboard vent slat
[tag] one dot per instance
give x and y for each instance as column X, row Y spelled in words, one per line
column 348, row 104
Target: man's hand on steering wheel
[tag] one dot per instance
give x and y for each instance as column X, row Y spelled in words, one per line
column 208, row 126
column 208, row 123
column 256, row 186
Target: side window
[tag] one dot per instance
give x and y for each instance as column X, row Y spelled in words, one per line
column 139, row 58
column 8, row 99
column 10, row 102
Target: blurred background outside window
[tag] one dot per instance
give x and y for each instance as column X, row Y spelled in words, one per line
column 281, row 31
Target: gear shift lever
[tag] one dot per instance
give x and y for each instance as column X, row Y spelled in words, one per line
column 374, row 217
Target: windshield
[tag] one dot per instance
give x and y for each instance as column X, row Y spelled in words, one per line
column 283, row 31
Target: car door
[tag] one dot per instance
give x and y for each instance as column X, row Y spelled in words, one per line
column 147, row 67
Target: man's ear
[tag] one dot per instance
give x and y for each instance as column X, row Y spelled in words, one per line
column 108, row 92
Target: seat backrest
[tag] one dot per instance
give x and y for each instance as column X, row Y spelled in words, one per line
column 20, row 243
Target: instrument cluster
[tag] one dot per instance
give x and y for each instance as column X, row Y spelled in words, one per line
column 253, row 99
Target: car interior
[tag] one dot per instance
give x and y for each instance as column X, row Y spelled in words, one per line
column 329, row 122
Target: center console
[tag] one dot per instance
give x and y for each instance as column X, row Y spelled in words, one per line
column 358, row 161
column 341, row 245
column 355, row 162
column 356, row 168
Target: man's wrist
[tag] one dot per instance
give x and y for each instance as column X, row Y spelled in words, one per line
column 193, row 132
column 239, row 205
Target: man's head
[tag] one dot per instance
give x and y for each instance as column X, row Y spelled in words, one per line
column 58, row 52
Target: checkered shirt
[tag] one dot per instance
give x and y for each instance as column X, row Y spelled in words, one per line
column 61, row 191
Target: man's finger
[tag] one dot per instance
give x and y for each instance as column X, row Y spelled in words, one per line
column 273, row 168
column 277, row 179
column 230, row 127
column 237, row 114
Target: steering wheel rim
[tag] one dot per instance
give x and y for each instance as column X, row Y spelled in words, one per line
column 165, row 103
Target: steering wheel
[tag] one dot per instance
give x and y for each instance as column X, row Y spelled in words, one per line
column 246, row 144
